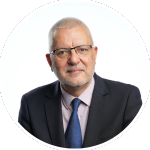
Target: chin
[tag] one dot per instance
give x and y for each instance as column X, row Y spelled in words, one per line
column 74, row 83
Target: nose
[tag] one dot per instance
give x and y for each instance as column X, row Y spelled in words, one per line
column 73, row 58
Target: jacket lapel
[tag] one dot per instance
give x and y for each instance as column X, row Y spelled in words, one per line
column 54, row 115
column 96, row 113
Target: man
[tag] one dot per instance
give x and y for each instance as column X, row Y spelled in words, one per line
column 81, row 109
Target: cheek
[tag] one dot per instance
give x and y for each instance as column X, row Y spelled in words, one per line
column 87, row 64
column 90, row 63
column 60, row 65
column 91, row 60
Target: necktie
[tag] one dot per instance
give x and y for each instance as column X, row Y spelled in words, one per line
column 73, row 132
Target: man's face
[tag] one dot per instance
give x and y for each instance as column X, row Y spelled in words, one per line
column 73, row 70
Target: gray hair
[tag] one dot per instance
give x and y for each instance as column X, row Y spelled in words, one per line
column 69, row 23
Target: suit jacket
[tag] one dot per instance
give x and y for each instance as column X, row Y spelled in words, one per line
column 114, row 105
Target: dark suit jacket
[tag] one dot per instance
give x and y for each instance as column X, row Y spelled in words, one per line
column 114, row 105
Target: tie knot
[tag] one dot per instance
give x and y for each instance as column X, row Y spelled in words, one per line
column 76, row 102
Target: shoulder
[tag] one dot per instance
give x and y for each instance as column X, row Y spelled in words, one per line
column 120, row 93
column 39, row 92
column 117, row 86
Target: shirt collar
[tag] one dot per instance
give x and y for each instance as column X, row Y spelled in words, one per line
column 85, row 97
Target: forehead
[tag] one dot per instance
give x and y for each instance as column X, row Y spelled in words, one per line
column 71, row 37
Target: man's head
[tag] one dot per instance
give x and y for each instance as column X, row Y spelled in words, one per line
column 73, row 69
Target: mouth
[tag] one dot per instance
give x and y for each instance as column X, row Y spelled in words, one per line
column 75, row 71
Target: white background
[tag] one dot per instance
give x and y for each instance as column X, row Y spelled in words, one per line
column 122, row 55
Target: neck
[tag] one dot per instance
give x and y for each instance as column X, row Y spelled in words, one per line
column 76, row 91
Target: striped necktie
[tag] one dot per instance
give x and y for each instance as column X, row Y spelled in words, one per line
column 73, row 132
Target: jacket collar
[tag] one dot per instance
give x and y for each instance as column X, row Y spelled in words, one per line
column 54, row 90
column 100, row 85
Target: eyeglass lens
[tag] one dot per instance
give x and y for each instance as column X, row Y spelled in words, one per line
column 80, row 50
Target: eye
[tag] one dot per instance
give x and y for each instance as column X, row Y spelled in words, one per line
column 82, row 50
column 61, row 53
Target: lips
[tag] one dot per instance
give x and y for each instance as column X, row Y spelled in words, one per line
column 75, row 71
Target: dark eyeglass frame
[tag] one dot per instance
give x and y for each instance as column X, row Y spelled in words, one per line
column 52, row 52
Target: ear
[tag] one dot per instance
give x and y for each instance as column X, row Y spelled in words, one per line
column 95, row 52
column 49, row 60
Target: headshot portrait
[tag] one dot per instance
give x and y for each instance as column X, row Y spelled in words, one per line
column 81, row 78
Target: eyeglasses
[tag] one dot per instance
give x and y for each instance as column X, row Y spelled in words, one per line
column 81, row 50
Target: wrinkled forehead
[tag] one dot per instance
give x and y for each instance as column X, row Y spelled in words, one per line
column 71, row 37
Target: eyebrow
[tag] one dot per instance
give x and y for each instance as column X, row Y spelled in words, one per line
column 71, row 47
